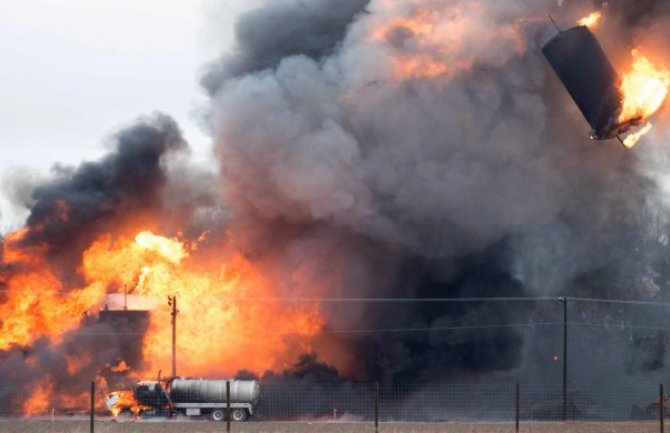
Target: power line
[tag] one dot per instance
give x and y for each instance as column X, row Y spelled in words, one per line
column 439, row 328
column 496, row 326
column 359, row 299
column 398, row 300
column 621, row 301
column 620, row 325
column 371, row 331
column 410, row 300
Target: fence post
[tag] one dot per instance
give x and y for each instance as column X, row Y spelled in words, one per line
column 661, row 408
column 228, row 406
column 565, row 358
column 516, row 408
column 377, row 392
column 92, row 426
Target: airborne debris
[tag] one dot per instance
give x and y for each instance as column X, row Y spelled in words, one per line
column 590, row 78
column 612, row 105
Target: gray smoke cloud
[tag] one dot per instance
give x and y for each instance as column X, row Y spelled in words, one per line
column 17, row 187
column 638, row 13
column 442, row 162
column 280, row 29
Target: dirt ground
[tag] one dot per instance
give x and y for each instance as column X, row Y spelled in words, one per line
column 14, row 426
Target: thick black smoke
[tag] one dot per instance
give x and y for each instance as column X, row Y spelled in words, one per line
column 310, row 389
column 70, row 211
column 475, row 180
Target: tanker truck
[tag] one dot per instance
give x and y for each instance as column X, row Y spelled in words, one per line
column 187, row 396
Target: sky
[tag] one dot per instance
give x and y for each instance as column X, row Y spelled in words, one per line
column 75, row 71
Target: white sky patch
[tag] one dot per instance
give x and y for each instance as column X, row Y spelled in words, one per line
column 74, row 71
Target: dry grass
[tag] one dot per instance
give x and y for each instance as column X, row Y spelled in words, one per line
column 321, row 427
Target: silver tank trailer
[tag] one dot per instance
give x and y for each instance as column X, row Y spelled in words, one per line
column 213, row 391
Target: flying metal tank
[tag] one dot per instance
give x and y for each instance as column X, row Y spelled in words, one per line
column 590, row 79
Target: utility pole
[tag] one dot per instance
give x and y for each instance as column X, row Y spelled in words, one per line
column 564, row 300
column 172, row 301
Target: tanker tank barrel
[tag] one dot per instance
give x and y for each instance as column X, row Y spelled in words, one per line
column 206, row 390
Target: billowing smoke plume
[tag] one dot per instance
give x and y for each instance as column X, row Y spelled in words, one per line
column 281, row 29
column 70, row 211
column 429, row 151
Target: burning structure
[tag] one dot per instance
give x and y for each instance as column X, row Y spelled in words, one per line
column 367, row 149
column 129, row 317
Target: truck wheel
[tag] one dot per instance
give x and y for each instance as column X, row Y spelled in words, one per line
column 239, row 415
column 217, row 415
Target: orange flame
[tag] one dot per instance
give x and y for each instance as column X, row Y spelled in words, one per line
column 123, row 400
column 427, row 43
column 632, row 138
column 169, row 249
column 221, row 328
column 35, row 304
column 230, row 317
column 39, row 401
column 592, row 20
column 120, row 367
column 644, row 88
column 45, row 399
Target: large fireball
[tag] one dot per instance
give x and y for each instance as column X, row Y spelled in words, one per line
column 230, row 317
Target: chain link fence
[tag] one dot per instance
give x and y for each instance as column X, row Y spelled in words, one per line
column 365, row 402
column 460, row 402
